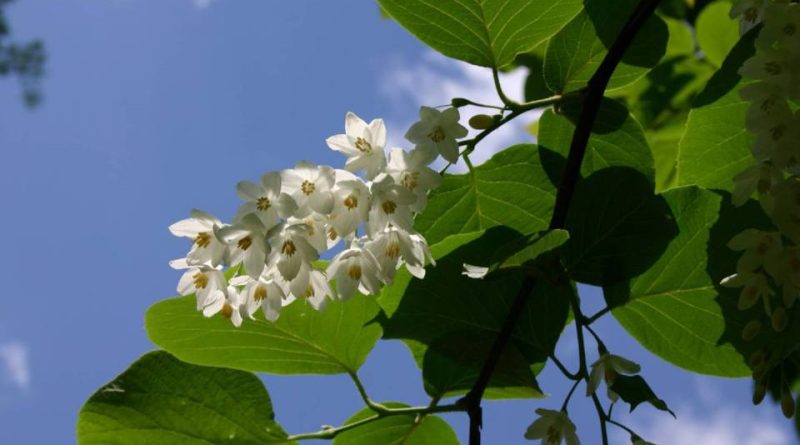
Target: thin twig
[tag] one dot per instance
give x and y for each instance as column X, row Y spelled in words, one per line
column 563, row 369
column 597, row 316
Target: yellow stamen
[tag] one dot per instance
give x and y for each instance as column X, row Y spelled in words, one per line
column 409, row 180
column 288, row 248
column 437, row 134
column 263, row 203
column 354, row 272
column 203, row 239
column 363, row 146
column 200, row 280
column 351, row 202
column 260, row 294
column 245, row 243
column 307, row 187
column 332, row 233
column 389, row 207
column 227, row 310
column 393, row 249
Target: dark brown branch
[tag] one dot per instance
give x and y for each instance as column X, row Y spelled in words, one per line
column 593, row 95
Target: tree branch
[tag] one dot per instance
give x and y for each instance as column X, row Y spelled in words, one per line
column 592, row 97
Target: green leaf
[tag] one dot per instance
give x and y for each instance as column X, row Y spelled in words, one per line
column 618, row 227
column 451, row 364
column 617, row 139
column 678, row 310
column 523, row 251
column 575, row 53
column 160, row 400
column 482, row 32
column 635, row 391
column 716, row 146
column 301, row 341
column 397, row 430
column 447, row 306
column 512, row 188
column 717, row 32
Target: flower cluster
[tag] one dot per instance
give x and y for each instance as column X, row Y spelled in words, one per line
column 770, row 259
column 290, row 218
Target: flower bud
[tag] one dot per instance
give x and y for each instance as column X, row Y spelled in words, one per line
column 787, row 404
column 779, row 320
column 759, row 393
column 751, row 330
column 756, row 359
column 459, row 102
column 481, row 121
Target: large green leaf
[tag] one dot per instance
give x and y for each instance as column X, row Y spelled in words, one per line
column 160, row 400
column 618, row 227
column 717, row 32
column 574, row 54
column 678, row 310
column 715, row 145
column 483, row 32
column 446, row 308
column 397, row 430
column 512, row 189
column 617, row 140
column 301, row 341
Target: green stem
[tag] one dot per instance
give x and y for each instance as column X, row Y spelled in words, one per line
column 510, row 103
column 569, row 395
column 603, row 419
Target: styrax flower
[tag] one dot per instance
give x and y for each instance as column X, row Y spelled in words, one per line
column 552, row 427
column 362, row 144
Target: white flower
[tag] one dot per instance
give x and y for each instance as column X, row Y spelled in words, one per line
column 393, row 246
column 362, row 144
column 228, row 303
column 760, row 177
column 781, row 25
column 785, row 210
column 316, row 229
column 773, row 65
column 476, row 272
column 265, row 200
column 247, row 243
column 552, row 427
column 768, row 104
column 410, row 170
column 438, row 130
column 262, row 293
column 312, row 286
column 355, row 268
column 310, row 186
column 204, row 281
column 292, row 249
column 390, row 205
column 754, row 286
column 752, row 11
column 606, row 368
column 200, row 228
column 350, row 208
column 760, row 249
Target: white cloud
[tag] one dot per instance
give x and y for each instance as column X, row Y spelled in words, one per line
column 435, row 80
column 713, row 421
column 14, row 358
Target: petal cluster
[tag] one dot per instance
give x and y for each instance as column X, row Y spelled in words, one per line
column 290, row 218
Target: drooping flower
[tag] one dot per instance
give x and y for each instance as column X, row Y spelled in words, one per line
column 754, row 286
column 351, row 205
column 292, row 250
column 390, row 205
column 393, row 247
column 265, row 200
column 310, row 285
column 262, row 293
column 606, row 368
column 411, row 171
column 248, row 245
column 552, row 427
column 229, row 303
column 438, row 131
column 355, row 268
column 310, row 186
column 202, row 280
column 200, row 228
column 362, row 144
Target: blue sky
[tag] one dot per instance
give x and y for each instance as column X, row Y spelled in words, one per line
column 154, row 107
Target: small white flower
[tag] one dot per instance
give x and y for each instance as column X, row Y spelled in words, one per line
column 351, row 205
column 552, row 427
column 390, row 205
column 760, row 249
column 362, row 144
column 262, row 293
column 228, row 303
column 355, row 268
column 760, row 177
column 438, row 130
column 781, row 25
column 606, row 368
column 476, row 272
column 247, row 243
column 393, row 247
column 265, row 200
column 754, row 286
column 292, row 250
column 312, row 286
column 200, row 228
column 411, row 171
column 310, row 186
column 204, row 281
column 316, row 229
